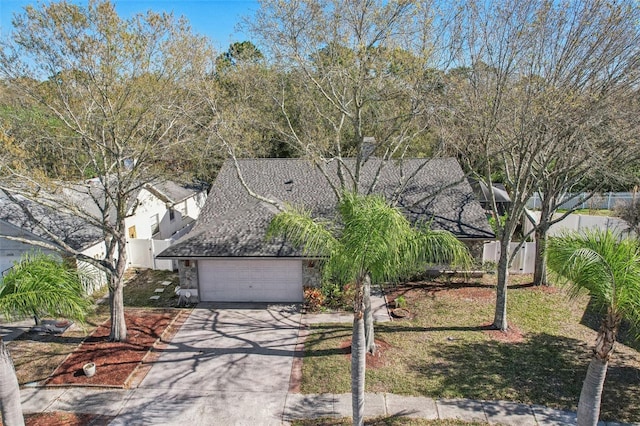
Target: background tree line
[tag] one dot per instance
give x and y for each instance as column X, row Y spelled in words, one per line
column 537, row 95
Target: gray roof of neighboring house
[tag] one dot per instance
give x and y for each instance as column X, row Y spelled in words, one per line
column 232, row 223
column 172, row 192
column 72, row 230
column 76, row 231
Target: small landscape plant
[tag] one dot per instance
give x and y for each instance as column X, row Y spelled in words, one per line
column 338, row 297
column 313, row 299
column 401, row 302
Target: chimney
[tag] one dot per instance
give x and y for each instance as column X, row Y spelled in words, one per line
column 368, row 146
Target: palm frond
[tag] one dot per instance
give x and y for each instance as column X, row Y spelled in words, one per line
column 603, row 264
column 371, row 237
column 301, row 230
column 40, row 284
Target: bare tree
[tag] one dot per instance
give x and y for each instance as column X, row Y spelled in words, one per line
column 119, row 90
column 349, row 70
column 533, row 102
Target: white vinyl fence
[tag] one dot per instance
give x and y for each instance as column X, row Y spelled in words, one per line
column 577, row 222
column 524, row 262
column 604, row 201
column 142, row 252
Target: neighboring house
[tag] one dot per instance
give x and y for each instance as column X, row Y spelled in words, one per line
column 483, row 195
column 163, row 213
column 164, row 209
column 89, row 240
column 227, row 258
column 160, row 211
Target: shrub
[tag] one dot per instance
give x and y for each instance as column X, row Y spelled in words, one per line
column 337, row 297
column 313, row 299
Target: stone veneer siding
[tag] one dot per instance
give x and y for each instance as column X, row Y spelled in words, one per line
column 189, row 276
column 311, row 273
column 475, row 249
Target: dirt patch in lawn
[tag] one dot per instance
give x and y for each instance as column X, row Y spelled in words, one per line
column 374, row 361
column 512, row 335
column 116, row 361
column 417, row 290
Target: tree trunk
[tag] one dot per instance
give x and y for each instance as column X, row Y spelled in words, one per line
column 542, row 229
column 9, row 390
column 589, row 404
column 500, row 317
column 368, row 317
column 540, row 266
column 358, row 358
column 591, row 393
column 118, row 331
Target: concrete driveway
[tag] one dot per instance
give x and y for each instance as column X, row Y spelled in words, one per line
column 227, row 365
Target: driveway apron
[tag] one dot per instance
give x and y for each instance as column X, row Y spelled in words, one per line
column 226, row 365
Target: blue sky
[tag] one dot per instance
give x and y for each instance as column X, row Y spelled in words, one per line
column 214, row 18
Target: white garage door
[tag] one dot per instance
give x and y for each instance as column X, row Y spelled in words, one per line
column 273, row 280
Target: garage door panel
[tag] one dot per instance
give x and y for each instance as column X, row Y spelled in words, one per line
column 253, row 280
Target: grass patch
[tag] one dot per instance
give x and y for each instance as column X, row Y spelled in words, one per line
column 592, row 212
column 446, row 350
column 385, row 421
column 141, row 284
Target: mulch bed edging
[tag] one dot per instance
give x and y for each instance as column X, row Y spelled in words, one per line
column 117, row 361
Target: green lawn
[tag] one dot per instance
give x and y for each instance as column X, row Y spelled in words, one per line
column 446, row 351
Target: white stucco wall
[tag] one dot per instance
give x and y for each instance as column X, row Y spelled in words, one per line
column 11, row 251
column 149, row 208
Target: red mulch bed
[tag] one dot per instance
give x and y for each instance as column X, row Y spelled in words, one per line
column 116, row 361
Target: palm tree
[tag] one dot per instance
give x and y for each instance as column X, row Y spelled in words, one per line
column 38, row 285
column 608, row 267
column 371, row 242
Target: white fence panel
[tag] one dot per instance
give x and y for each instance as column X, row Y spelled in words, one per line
column 524, row 261
column 607, row 200
column 156, row 247
column 140, row 255
column 578, row 222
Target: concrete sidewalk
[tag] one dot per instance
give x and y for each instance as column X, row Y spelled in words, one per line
column 389, row 405
column 193, row 407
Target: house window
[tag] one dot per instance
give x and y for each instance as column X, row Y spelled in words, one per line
column 187, row 263
column 132, row 232
column 172, row 214
column 155, row 226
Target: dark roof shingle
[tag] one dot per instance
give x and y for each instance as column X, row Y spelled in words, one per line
column 233, row 223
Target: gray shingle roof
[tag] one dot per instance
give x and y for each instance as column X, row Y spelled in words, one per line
column 173, row 192
column 72, row 230
column 233, row 224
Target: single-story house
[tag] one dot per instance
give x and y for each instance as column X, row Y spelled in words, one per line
column 160, row 211
column 483, row 195
column 87, row 239
column 226, row 257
